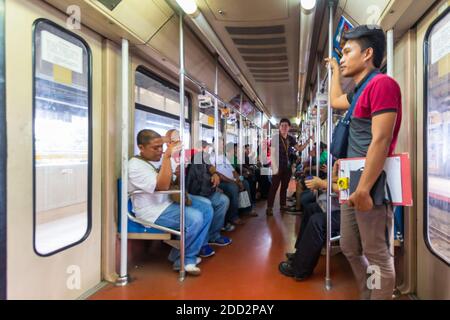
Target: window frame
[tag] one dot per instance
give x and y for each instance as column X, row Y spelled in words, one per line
column 426, row 60
column 142, row 69
column 3, row 158
column 90, row 138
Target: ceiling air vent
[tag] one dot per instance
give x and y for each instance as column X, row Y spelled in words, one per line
column 272, row 80
column 269, row 70
column 255, row 30
column 262, row 50
column 268, row 65
column 110, row 4
column 263, row 58
column 259, row 41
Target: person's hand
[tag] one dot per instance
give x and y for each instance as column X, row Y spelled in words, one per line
column 172, row 148
column 324, row 168
column 361, row 200
column 215, row 180
column 336, row 170
column 334, row 64
column 314, row 184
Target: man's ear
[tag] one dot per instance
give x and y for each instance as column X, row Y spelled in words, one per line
column 369, row 54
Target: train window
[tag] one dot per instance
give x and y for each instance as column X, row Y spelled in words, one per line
column 207, row 134
column 158, row 107
column 437, row 138
column 62, row 139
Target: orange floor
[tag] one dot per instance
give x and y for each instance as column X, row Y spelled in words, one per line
column 247, row 269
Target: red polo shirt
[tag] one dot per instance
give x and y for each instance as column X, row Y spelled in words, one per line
column 381, row 95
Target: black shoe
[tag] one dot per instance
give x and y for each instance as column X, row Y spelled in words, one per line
column 286, row 269
column 290, row 256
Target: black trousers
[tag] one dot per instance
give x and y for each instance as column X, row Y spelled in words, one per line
column 312, row 237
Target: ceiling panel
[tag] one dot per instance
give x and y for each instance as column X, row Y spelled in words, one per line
column 248, row 10
column 143, row 18
column 263, row 38
column 364, row 12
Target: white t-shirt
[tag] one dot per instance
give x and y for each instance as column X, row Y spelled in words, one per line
column 224, row 167
column 141, row 176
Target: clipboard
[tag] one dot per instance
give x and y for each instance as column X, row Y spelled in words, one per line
column 398, row 171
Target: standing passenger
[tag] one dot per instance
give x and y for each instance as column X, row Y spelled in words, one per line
column 281, row 164
column 374, row 127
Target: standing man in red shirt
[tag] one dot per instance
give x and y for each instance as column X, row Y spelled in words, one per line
column 366, row 228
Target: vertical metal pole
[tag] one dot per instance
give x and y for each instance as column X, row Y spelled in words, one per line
column 310, row 122
column 182, row 156
column 330, row 157
column 216, row 114
column 318, row 122
column 390, row 53
column 240, row 148
column 123, row 276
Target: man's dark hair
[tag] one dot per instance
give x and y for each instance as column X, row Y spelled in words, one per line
column 145, row 136
column 284, row 120
column 369, row 36
column 378, row 45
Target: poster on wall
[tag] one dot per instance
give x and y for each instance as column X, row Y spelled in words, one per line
column 343, row 26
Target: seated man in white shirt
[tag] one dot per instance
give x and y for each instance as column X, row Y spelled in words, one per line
column 148, row 174
column 231, row 185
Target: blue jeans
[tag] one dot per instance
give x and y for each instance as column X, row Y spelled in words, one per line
column 197, row 222
column 231, row 190
column 220, row 204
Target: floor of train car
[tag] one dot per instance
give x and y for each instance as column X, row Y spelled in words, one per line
column 247, row 269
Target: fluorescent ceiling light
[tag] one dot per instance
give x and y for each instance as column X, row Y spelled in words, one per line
column 188, row 6
column 306, row 4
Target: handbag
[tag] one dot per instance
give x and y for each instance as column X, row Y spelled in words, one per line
column 339, row 144
column 175, row 197
column 244, row 200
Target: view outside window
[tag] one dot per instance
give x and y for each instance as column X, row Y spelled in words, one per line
column 158, row 108
column 437, row 213
column 61, row 139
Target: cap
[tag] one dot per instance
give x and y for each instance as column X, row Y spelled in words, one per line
column 364, row 31
column 205, row 144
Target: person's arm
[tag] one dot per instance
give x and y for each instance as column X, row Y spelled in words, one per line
column 382, row 132
column 165, row 172
column 339, row 99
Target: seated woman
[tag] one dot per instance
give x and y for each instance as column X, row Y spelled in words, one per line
column 148, row 173
column 312, row 234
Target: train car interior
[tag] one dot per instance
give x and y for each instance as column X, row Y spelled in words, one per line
column 93, row 93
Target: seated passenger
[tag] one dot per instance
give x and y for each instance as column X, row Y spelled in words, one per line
column 244, row 177
column 149, row 174
column 312, row 234
column 202, row 181
column 231, row 185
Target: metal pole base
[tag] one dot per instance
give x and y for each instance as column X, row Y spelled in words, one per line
column 328, row 285
column 182, row 276
column 122, row 281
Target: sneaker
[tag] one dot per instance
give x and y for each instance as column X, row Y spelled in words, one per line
column 206, row 251
column 191, row 269
column 228, row 227
column 198, row 260
column 221, row 241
